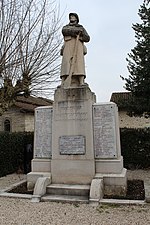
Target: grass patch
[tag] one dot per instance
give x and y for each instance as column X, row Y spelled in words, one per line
column 105, row 207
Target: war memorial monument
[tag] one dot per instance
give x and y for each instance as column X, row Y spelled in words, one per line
column 77, row 152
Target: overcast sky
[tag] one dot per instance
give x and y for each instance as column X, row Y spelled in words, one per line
column 109, row 24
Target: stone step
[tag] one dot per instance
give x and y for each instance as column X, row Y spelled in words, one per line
column 65, row 198
column 68, row 189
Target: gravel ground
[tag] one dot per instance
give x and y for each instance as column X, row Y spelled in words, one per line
column 24, row 212
column 138, row 174
column 11, row 179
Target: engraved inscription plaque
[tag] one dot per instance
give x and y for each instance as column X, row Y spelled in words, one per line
column 71, row 111
column 43, row 132
column 72, row 145
column 105, row 145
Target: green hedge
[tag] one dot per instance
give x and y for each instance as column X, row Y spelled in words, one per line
column 135, row 147
column 12, row 150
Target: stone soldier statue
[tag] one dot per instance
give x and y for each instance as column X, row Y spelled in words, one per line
column 73, row 51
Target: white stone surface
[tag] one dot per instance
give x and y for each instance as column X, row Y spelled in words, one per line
column 33, row 176
column 72, row 145
column 41, row 165
column 36, row 198
column 68, row 189
column 96, row 190
column 72, row 117
column 115, row 184
column 40, row 186
column 43, row 132
column 109, row 165
column 71, row 123
column 73, row 171
column 106, row 131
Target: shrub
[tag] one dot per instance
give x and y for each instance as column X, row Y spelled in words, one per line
column 135, row 147
column 12, row 151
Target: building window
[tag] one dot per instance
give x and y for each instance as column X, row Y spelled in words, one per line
column 7, row 125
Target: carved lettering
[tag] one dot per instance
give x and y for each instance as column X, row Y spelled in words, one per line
column 72, row 145
column 43, row 133
column 104, row 131
column 71, row 111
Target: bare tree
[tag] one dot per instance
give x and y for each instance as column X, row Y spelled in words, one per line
column 29, row 48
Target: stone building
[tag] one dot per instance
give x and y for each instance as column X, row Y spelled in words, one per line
column 125, row 120
column 20, row 117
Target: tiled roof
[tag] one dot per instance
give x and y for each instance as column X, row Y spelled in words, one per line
column 120, row 98
column 30, row 103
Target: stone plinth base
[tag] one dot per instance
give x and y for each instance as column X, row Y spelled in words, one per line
column 73, row 171
column 40, row 168
column 41, row 165
column 77, row 142
column 32, row 178
column 114, row 184
column 96, row 190
column 72, row 136
column 109, row 165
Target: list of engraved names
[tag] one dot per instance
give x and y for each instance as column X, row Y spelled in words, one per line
column 43, row 133
column 72, row 145
column 104, row 131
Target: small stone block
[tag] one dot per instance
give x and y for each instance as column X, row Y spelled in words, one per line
column 96, row 190
column 36, row 198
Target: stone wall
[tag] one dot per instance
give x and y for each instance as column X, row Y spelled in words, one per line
column 132, row 122
column 29, row 122
column 18, row 120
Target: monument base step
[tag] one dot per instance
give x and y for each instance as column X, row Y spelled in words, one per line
column 67, row 193
column 65, row 198
column 68, row 189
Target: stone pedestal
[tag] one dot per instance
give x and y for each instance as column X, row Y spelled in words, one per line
column 72, row 136
column 41, row 163
column 108, row 159
column 78, row 141
column 42, row 139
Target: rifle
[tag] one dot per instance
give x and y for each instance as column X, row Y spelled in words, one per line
column 67, row 82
